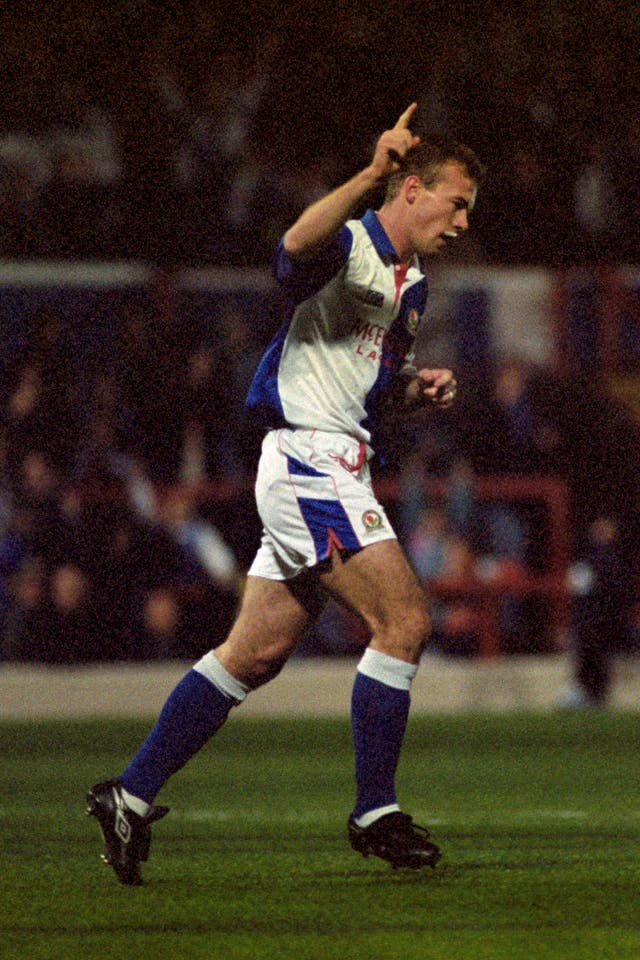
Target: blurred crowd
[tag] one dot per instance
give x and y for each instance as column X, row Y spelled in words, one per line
column 193, row 133
column 127, row 518
column 518, row 420
column 110, row 545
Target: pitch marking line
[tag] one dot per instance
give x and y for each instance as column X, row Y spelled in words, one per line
column 226, row 815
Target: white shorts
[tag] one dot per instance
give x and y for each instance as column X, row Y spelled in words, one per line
column 313, row 493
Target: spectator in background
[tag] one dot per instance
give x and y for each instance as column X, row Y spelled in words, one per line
column 519, row 433
column 110, row 551
column 199, row 539
column 54, row 620
column 38, row 519
column 147, row 372
column 596, row 211
column 428, row 542
column 444, row 559
column 443, row 536
column 205, row 434
column 603, row 599
column 160, row 634
column 241, row 352
column 23, row 618
column 519, row 436
column 42, row 409
column 208, row 578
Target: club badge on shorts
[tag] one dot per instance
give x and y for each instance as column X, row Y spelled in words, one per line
column 371, row 520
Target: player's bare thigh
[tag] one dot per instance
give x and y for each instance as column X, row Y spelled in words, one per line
column 379, row 584
column 273, row 617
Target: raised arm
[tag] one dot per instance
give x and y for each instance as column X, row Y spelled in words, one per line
column 320, row 222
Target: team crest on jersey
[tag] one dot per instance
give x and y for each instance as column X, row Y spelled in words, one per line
column 412, row 321
column 371, row 520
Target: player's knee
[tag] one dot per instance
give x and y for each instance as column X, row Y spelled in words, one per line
column 265, row 666
column 262, row 673
column 416, row 629
column 406, row 635
column 254, row 663
column 422, row 624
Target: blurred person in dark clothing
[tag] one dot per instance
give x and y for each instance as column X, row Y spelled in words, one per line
column 72, row 634
column 202, row 404
column 532, row 227
column 23, row 616
column 207, row 578
column 160, row 631
column 124, row 557
column 111, row 555
column 59, row 625
column 202, row 547
column 40, row 407
column 146, row 372
column 597, row 214
column 38, row 519
column 603, row 598
column 513, row 430
column 241, row 354
column 518, row 433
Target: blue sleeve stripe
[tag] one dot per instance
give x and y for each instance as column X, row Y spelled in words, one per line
column 263, row 399
column 302, row 279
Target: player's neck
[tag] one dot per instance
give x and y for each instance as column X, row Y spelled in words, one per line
column 396, row 233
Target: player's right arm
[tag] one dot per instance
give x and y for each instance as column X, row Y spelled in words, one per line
column 320, row 222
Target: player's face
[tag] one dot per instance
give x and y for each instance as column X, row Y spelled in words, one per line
column 439, row 213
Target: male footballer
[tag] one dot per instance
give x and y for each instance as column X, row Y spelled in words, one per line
column 355, row 295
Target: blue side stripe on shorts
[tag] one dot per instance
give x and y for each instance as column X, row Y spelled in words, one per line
column 323, row 516
column 303, row 469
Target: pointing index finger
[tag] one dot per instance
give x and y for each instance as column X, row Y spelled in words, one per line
column 404, row 118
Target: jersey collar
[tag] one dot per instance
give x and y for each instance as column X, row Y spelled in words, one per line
column 381, row 242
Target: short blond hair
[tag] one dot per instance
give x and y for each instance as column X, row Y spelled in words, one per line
column 427, row 160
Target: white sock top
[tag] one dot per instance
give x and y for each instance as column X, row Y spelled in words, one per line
column 389, row 670
column 211, row 668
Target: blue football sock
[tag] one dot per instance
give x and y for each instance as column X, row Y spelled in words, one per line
column 191, row 715
column 379, row 713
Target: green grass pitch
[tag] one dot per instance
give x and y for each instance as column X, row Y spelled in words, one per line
column 538, row 817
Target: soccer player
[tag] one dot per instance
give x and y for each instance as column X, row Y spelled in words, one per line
column 355, row 294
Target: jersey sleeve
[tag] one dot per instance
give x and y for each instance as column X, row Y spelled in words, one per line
column 408, row 368
column 301, row 279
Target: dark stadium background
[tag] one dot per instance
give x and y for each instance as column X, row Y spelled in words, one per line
column 140, row 141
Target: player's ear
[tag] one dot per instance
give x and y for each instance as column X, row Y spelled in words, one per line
column 411, row 187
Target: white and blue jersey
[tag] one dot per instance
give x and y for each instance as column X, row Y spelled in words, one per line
column 349, row 331
column 351, row 317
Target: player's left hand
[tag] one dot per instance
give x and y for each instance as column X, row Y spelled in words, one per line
column 435, row 387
